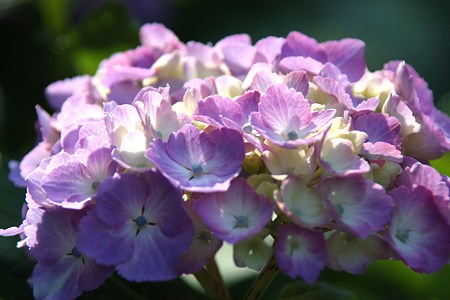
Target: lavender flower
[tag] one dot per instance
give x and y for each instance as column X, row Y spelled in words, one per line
column 234, row 215
column 203, row 247
column 62, row 272
column 358, row 206
column 346, row 54
column 300, row 252
column 417, row 231
column 285, row 118
column 139, row 226
column 73, row 183
column 197, row 161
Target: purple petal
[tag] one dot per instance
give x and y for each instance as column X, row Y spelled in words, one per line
column 262, row 79
column 33, row 158
column 380, row 128
column 298, row 81
column 424, row 94
column 347, row 55
column 212, row 109
column 270, row 47
column 93, row 129
column 14, row 174
column 32, row 220
column 241, row 38
column 189, row 146
column 248, row 103
column 158, row 37
column 207, row 55
column 284, row 109
column 234, row 215
column 417, row 231
column 62, row 271
column 419, row 174
column 68, row 278
column 162, row 264
column 156, row 113
column 203, row 247
column 334, row 90
column 300, row 252
column 300, row 63
column 240, row 57
column 367, row 106
column 56, row 233
column 298, row 44
column 58, row 92
column 123, row 92
column 394, row 107
column 359, row 206
column 381, row 150
column 130, row 218
column 12, row 231
column 442, row 127
column 70, row 185
column 96, row 238
column 331, row 71
column 48, row 132
column 197, row 161
column 426, row 144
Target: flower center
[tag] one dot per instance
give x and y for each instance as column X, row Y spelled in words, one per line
column 247, row 128
column 95, row 185
column 402, row 235
column 141, row 221
column 75, row 252
column 197, row 170
column 292, row 135
column 293, row 244
column 240, row 222
column 339, row 209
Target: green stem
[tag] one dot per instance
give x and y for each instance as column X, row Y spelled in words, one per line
column 210, row 286
column 265, row 277
column 122, row 285
column 214, row 271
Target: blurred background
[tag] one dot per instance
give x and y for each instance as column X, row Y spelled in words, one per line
column 42, row 41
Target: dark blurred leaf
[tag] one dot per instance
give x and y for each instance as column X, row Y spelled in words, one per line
column 6, row 5
column 444, row 103
column 15, row 266
column 299, row 290
column 2, row 119
column 54, row 15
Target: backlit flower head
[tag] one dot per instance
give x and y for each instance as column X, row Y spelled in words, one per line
column 289, row 149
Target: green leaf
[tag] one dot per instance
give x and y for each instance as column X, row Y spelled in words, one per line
column 298, row 290
column 442, row 164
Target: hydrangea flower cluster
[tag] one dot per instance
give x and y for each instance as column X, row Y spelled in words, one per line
column 288, row 149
